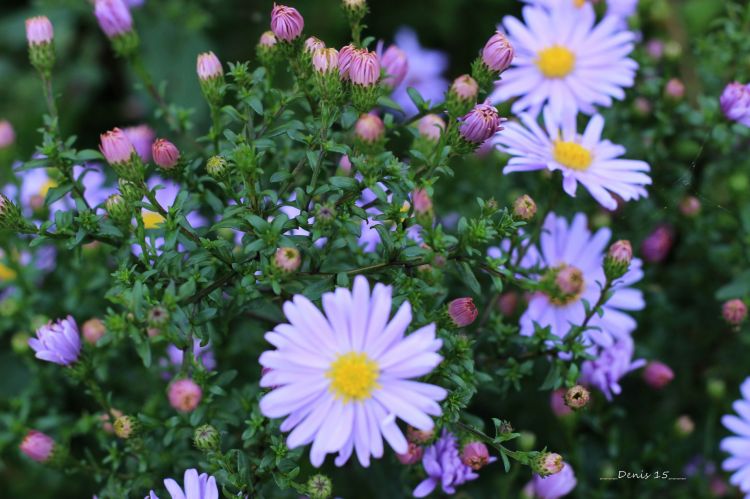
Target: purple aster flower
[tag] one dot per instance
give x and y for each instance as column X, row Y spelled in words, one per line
column 424, row 74
column 57, row 342
column 342, row 376
column 142, row 137
column 443, row 466
column 203, row 354
column 572, row 246
column 735, row 102
column 196, row 486
column 738, row 445
column 610, row 365
column 554, row 486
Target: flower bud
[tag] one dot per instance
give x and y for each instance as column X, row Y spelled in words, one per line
column 345, row 165
column 465, row 88
column 10, row 215
column 419, row 436
column 480, row 124
column 345, row 60
column 431, row 127
column 365, row 68
column 268, row 39
column 369, row 128
column 420, row 198
column 642, row 107
column 126, row 427
column 39, row 34
column 735, row 103
column 314, row 43
column 524, row 208
column 462, row 311
column 734, row 311
column 288, row 259
column 267, row 49
column 548, row 463
column 206, row 438
column 93, row 330
column 211, row 77
column 158, row 317
column 395, row 65
column 38, row 446
column 577, row 397
column 7, row 134
column 325, row 60
column 106, row 420
column 412, row 455
column 684, row 426
column 655, row 49
column 286, row 22
column 132, row 192
column 675, row 89
column 165, row 154
column 618, row 259
column 216, row 166
column 657, row 375
column 656, row 246
column 475, row 455
column 121, row 155
column 690, row 206
column 319, row 487
column 114, row 17
column 498, row 53
column 184, row 395
column 355, row 9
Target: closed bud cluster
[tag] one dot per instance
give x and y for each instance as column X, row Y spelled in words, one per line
column 165, row 154
column 115, row 20
column 617, row 261
column 395, row 65
column 206, row 438
column 39, row 35
column 121, row 155
column 211, row 77
column 498, row 53
column 524, row 208
column 286, row 22
column 216, row 166
column 577, row 397
column 462, row 311
column 319, row 487
column 547, row 463
column 475, row 455
column 480, row 124
column 287, row 259
column 126, row 427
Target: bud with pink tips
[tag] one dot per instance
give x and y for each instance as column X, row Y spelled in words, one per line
column 345, row 60
column 267, row 49
column 412, row 455
column 115, row 20
column 480, row 124
column 462, row 95
column 657, row 375
column 475, row 455
column 38, row 446
column 369, row 128
column 185, row 395
column 7, row 134
column 395, row 65
column 165, row 154
column 325, row 60
column 93, row 330
column 211, row 77
column 431, row 127
column 462, row 311
column 617, row 261
column 365, row 68
column 498, row 53
column 314, row 43
column 286, row 22
column 734, row 312
column 121, row 155
column 40, row 34
column 548, row 463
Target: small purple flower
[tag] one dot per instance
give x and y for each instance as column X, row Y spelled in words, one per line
column 443, row 466
column 196, row 486
column 203, row 354
column 364, row 68
column 57, row 342
column 37, row 446
column 498, row 53
column 609, row 366
column 554, row 486
column 208, row 66
column 114, row 17
column 116, row 146
column 735, row 103
column 480, row 123
column 657, row 245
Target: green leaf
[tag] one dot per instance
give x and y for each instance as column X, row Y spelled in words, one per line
column 345, row 183
column 416, row 97
column 468, row 277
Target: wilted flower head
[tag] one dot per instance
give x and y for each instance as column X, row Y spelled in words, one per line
column 208, row 66
column 465, row 87
column 431, row 127
column 114, row 17
column 735, row 103
column 286, row 22
column 443, row 467
column 314, row 43
column 554, row 486
column 395, row 65
column 369, row 128
column 462, row 311
column 165, row 154
column 498, row 52
column 480, row 124
column 184, row 395
column 364, row 68
column 475, row 455
column 37, row 446
column 734, row 311
column 57, row 342
column 7, row 135
column 196, row 486
column 116, row 147
column 39, row 30
column 325, row 60
column 657, row 374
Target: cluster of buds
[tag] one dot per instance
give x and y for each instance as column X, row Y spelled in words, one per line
column 211, row 77
column 121, row 155
column 617, row 261
column 40, row 34
column 462, row 312
column 115, row 20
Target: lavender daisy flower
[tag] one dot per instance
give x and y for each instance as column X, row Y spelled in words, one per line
column 554, row 486
column 424, row 73
column 196, row 486
column 203, row 354
column 609, row 366
column 571, row 250
column 57, row 342
column 738, row 445
column 443, row 466
column 584, row 158
column 343, row 376
column 564, row 58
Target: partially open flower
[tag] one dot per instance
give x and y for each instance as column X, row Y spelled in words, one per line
column 286, row 22
column 314, row 43
column 498, row 53
column 548, row 463
column 480, row 123
column 57, row 342
column 267, row 39
column 39, row 31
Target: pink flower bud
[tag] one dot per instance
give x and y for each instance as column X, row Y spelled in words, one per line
column 656, row 246
column 557, row 403
column 431, row 127
column 524, row 207
column 657, row 375
column 419, row 436
column 37, row 446
column 475, row 455
column 621, row 252
column 116, row 147
column 286, row 22
column 507, row 303
column 498, row 53
column 166, row 155
column 421, row 201
column 114, row 17
column 462, row 311
column 465, row 87
column 395, row 65
column 93, row 330
column 369, row 128
column 7, row 134
column 267, row 39
column 690, row 206
column 208, row 66
column 480, row 123
column 684, row 425
column 314, row 43
column 39, row 30
column 288, row 259
column 345, row 60
column 412, row 456
column 325, row 60
column 185, row 395
column 570, row 280
column 734, row 311
column 345, row 164
column 549, row 463
column 655, row 48
column 365, row 68
column 675, row 89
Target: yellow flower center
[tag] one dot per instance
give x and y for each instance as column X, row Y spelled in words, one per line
column 45, row 187
column 556, row 61
column 353, row 376
column 6, row 273
column 579, row 3
column 572, row 155
column 152, row 220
